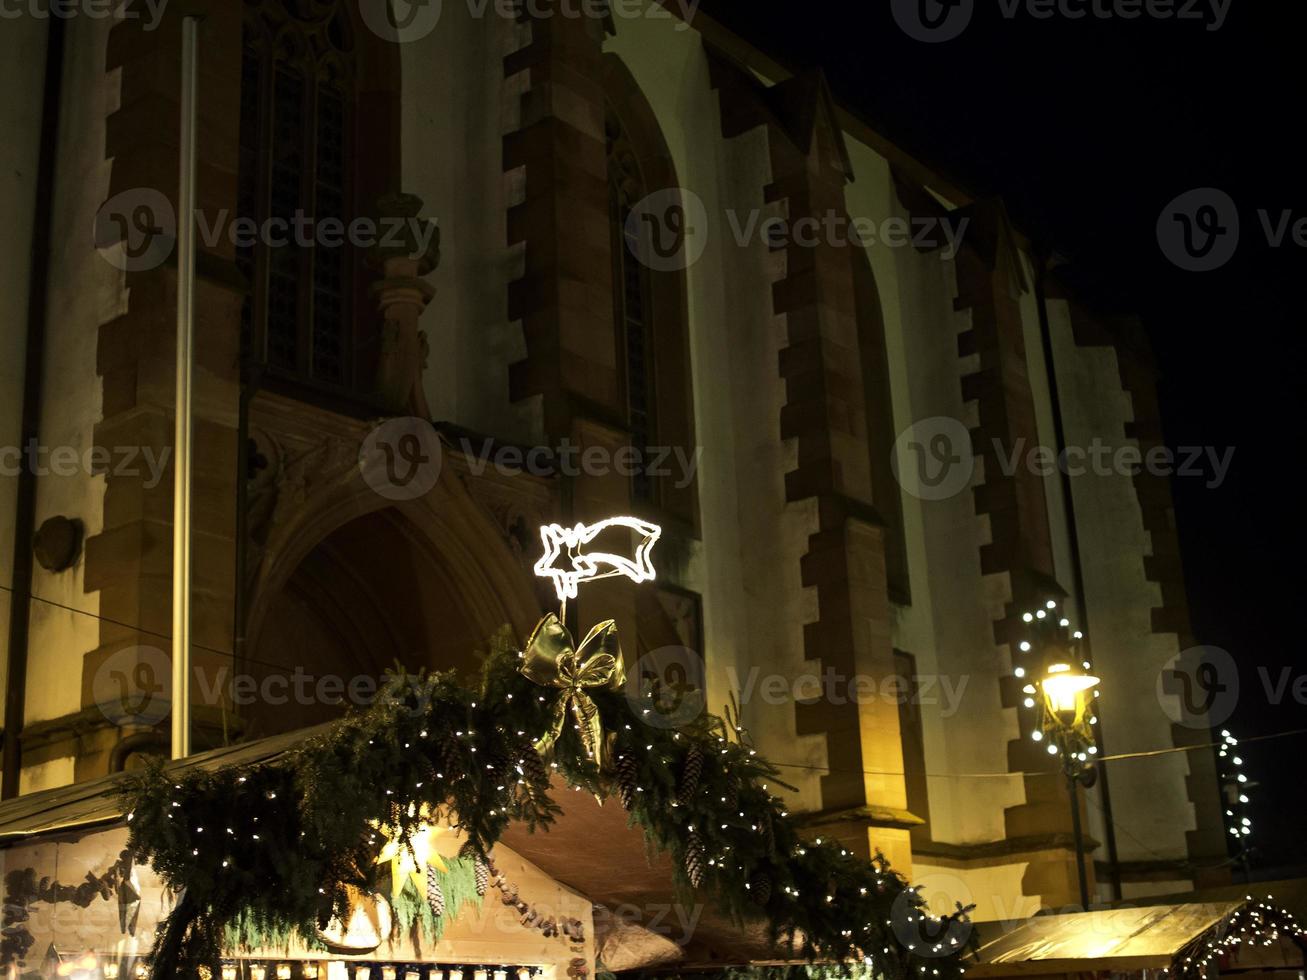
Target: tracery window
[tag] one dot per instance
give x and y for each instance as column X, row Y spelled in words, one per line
column 298, row 81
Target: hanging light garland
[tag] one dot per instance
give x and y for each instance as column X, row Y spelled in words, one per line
column 1236, row 788
column 1254, row 924
column 1054, row 669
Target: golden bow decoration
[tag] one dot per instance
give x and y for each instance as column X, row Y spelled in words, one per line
column 552, row 660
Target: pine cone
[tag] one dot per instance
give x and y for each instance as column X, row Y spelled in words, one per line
column 627, row 771
column 534, row 770
column 435, row 894
column 760, row 888
column 691, row 773
column 695, row 861
column 482, row 877
column 499, row 762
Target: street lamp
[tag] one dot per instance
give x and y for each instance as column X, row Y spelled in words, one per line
column 1068, row 689
column 1067, row 693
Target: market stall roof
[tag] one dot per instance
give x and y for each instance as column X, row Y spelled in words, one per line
column 95, row 802
column 617, row 871
column 1119, row 940
column 1289, row 894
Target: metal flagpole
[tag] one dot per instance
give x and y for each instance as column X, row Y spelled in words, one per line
column 181, row 525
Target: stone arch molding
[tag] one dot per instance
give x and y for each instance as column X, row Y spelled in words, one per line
column 312, row 486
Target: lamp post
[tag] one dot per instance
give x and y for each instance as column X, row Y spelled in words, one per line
column 1067, row 690
column 1066, row 695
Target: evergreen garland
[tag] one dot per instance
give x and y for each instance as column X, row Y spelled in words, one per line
column 270, row 848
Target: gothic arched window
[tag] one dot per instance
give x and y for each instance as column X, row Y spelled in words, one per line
column 649, row 310
column 632, row 306
column 305, row 78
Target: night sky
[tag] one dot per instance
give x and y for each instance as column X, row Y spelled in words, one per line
column 1088, row 129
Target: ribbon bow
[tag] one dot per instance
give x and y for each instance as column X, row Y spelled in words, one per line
column 551, row 660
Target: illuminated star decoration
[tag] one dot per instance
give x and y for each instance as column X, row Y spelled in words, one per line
column 410, row 859
column 594, row 565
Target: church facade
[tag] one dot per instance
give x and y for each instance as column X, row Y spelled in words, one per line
column 468, row 273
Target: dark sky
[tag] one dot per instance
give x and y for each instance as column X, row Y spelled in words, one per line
column 1088, row 128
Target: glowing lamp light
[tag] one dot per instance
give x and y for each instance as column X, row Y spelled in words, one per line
column 1063, row 686
column 78, row 967
column 567, row 563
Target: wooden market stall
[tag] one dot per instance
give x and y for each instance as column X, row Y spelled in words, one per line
column 1174, row 942
column 75, row 904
